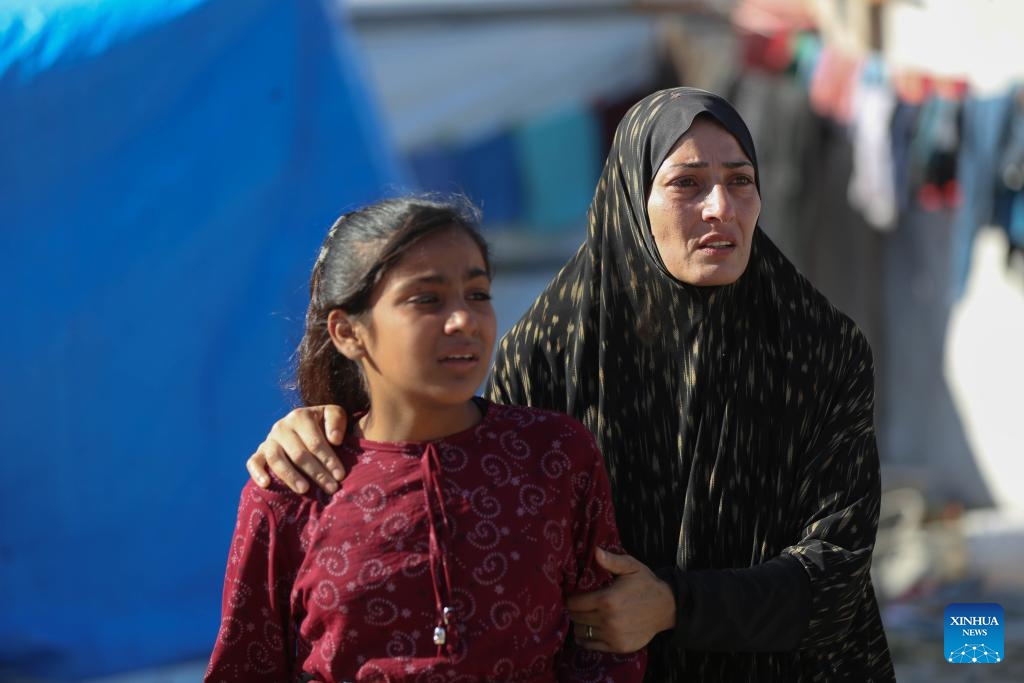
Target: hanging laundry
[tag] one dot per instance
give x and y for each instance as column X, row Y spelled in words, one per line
column 806, row 53
column 1011, row 173
column 871, row 190
column 832, row 85
column 911, row 91
column 767, row 52
column 936, row 147
column 984, row 120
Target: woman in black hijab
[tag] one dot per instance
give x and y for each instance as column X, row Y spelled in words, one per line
column 733, row 405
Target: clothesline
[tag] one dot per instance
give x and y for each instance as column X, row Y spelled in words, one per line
column 917, row 136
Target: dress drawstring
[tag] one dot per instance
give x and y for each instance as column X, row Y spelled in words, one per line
column 445, row 631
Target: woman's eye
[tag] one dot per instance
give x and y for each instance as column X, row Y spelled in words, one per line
column 423, row 299
column 685, row 182
column 744, row 180
column 480, row 296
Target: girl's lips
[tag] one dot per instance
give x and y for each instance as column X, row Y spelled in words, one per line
column 460, row 359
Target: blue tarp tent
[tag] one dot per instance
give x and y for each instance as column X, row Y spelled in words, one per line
column 167, row 171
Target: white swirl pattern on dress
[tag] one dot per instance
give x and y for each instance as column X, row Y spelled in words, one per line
column 452, row 458
column 259, row 658
column 381, row 612
column 258, row 521
column 535, row 619
column 514, row 446
column 554, row 534
column 464, row 604
column 504, row 613
column 273, row 634
column 326, row 595
column 231, row 630
column 370, row 498
column 373, row 573
column 555, row 463
column 396, row 528
column 240, row 594
column 531, row 497
column 415, row 563
column 333, row 559
column 491, row 570
column 402, row 644
column 484, row 504
column 496, row 468
column 485, row 535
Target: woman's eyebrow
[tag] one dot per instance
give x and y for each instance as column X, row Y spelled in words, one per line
column 705, row 164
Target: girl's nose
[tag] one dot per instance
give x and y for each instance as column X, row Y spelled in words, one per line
column 461, row 319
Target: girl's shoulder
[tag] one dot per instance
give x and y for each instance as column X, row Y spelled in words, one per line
column 278, row 501
column 500, row 412
column 531, row 423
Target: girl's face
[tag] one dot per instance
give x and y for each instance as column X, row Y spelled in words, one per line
column 428, row 334
column 703, row 207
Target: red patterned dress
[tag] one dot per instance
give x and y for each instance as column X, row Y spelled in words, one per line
column 440, row 562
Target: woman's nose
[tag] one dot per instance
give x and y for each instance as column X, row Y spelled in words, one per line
column 717, row 206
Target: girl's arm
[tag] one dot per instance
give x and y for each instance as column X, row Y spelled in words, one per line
column 593, row 527
column 255, row 641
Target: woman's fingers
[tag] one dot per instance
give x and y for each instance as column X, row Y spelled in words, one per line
column 316, row 429
column 629, row 612
column 257, row 467
column 335, row 421
column 589, row 636
column 280, row 463
column 296, row 450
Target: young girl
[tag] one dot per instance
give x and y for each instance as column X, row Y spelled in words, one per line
column 462, row 526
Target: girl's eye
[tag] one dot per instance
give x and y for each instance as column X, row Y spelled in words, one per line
column 480, row 296
column 423, row 299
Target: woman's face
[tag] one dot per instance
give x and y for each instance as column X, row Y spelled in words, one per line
column 430, row 329
column 703, row 206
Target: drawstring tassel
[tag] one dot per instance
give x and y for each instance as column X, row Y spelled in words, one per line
column 441, row 630
column 430, row 467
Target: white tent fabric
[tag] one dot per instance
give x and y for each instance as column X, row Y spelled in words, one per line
column 459, row 77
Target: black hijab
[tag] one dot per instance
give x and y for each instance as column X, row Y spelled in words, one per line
column 623, row 339
column 711, row 406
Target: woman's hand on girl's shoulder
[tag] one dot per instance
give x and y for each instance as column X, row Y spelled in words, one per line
column 300, row 447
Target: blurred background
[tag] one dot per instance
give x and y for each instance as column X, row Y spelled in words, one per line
column 168, row 169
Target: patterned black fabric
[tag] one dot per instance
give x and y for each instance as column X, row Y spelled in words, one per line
column 736, row 423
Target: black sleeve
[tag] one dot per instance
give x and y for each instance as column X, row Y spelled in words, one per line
column 756, row 609
column 808, row 596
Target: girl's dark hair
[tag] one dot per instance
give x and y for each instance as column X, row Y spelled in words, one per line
column 359, row 250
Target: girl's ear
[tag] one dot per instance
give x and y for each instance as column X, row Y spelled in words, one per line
column 344, row 333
